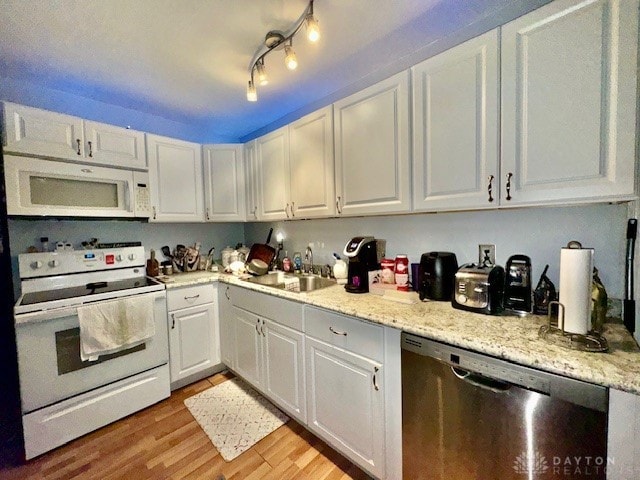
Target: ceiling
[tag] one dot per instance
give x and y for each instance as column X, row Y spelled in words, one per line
column 188, row 60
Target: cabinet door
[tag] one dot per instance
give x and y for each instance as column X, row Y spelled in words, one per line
column 284, row 368
column 311, row 162
column 115, row 146
column 39, row 132
column 227, row 330
column 568, row 102
column 273, row 175
column 248, row 346
column 175, row 174
column 455, row 121
column 224, row 183
column 251, row 169
column 346, row 403
column 372, row 149
column 193, row 343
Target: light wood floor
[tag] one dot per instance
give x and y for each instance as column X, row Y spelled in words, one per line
column 164, row 441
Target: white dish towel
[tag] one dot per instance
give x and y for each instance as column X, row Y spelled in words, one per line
column 108, row 327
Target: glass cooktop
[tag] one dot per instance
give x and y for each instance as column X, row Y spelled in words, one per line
column 88, row 289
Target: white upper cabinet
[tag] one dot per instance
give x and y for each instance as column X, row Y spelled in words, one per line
column 250, row 168
column 372, row 149
column 32, row 131
column 455, row 127
column 175, row 174
column 272, row 175
column 115, row 146
column 224, row 178
column 311, row 163
column 569, row 102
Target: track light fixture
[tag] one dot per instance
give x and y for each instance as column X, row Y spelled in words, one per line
column 275, row 40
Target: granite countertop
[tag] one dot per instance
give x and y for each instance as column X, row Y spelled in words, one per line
column 512, row 338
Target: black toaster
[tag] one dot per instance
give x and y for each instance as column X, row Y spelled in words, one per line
column 435, row 275
column 479, row 288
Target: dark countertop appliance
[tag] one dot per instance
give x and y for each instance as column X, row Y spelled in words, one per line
column 436, row 275
column 362, row 254
column 479, row 288
column 517, row 287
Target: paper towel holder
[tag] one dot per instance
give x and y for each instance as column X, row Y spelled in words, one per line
column 591, row 342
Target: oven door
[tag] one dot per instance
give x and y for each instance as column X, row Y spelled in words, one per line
column 46, row 187
column 49, row 356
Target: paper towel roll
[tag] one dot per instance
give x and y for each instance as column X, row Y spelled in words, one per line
column 576, row 271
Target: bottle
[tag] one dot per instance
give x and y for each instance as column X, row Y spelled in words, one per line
column 153, row 267
column 297, row 262
column 401, row 272
column 286, row 263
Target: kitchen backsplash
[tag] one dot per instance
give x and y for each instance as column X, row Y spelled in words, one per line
column 23, row 233
column 536, row 232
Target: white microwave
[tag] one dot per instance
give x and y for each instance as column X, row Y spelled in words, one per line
column 49, row 188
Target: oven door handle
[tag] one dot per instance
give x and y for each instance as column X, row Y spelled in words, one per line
column 55, row 313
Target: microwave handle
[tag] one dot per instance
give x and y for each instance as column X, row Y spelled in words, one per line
column 128, row 195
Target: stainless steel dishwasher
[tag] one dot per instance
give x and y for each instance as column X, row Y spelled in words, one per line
column 470, row 416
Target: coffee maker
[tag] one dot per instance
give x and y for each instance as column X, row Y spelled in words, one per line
column 362, row 253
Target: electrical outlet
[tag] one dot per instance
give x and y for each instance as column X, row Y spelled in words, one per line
column 485, row 250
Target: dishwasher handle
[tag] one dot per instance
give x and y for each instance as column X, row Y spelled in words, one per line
column 479, row 381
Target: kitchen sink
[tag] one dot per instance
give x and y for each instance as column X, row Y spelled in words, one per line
column 308, row 283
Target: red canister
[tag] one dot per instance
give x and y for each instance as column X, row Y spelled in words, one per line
column 402, row 272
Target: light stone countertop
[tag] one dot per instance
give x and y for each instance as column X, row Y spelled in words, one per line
column 509, row 337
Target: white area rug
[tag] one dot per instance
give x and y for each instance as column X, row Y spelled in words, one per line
column 234, row 416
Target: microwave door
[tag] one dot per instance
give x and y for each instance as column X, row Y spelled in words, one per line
column 45, row 187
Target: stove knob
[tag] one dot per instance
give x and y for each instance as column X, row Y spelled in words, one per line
column 132, row 257
column 118, row 258
column 54, row 263
column 36, row 265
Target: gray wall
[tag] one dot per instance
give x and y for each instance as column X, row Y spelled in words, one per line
column 536, row 232
column 23, row 233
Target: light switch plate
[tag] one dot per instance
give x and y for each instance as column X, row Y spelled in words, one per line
column 484, row 250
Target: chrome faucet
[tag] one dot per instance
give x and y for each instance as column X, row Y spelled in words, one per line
column 308, row 256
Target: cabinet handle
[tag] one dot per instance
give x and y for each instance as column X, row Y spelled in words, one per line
column 286, row 210
column 509, row 175
column 255, row 212
column 207, row 213
column 154, row 212
column 293, row 214
column 173, row 321
column 226, row 293
column 375, row 383
column 192, row 297
column 90, row 150
column 262, row 329
column 78, row 142
column 257, row 322
column 338, row 207
column 336, row 332
column 490, row 188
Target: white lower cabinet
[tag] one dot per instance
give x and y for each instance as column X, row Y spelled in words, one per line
column 194, row 348
column 337, row 375
column 346, row 403
column 270, row 357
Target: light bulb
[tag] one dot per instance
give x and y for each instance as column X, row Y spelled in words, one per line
column 313, row 31
column 252, row 95
column 262, row 74
column 290, row 57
